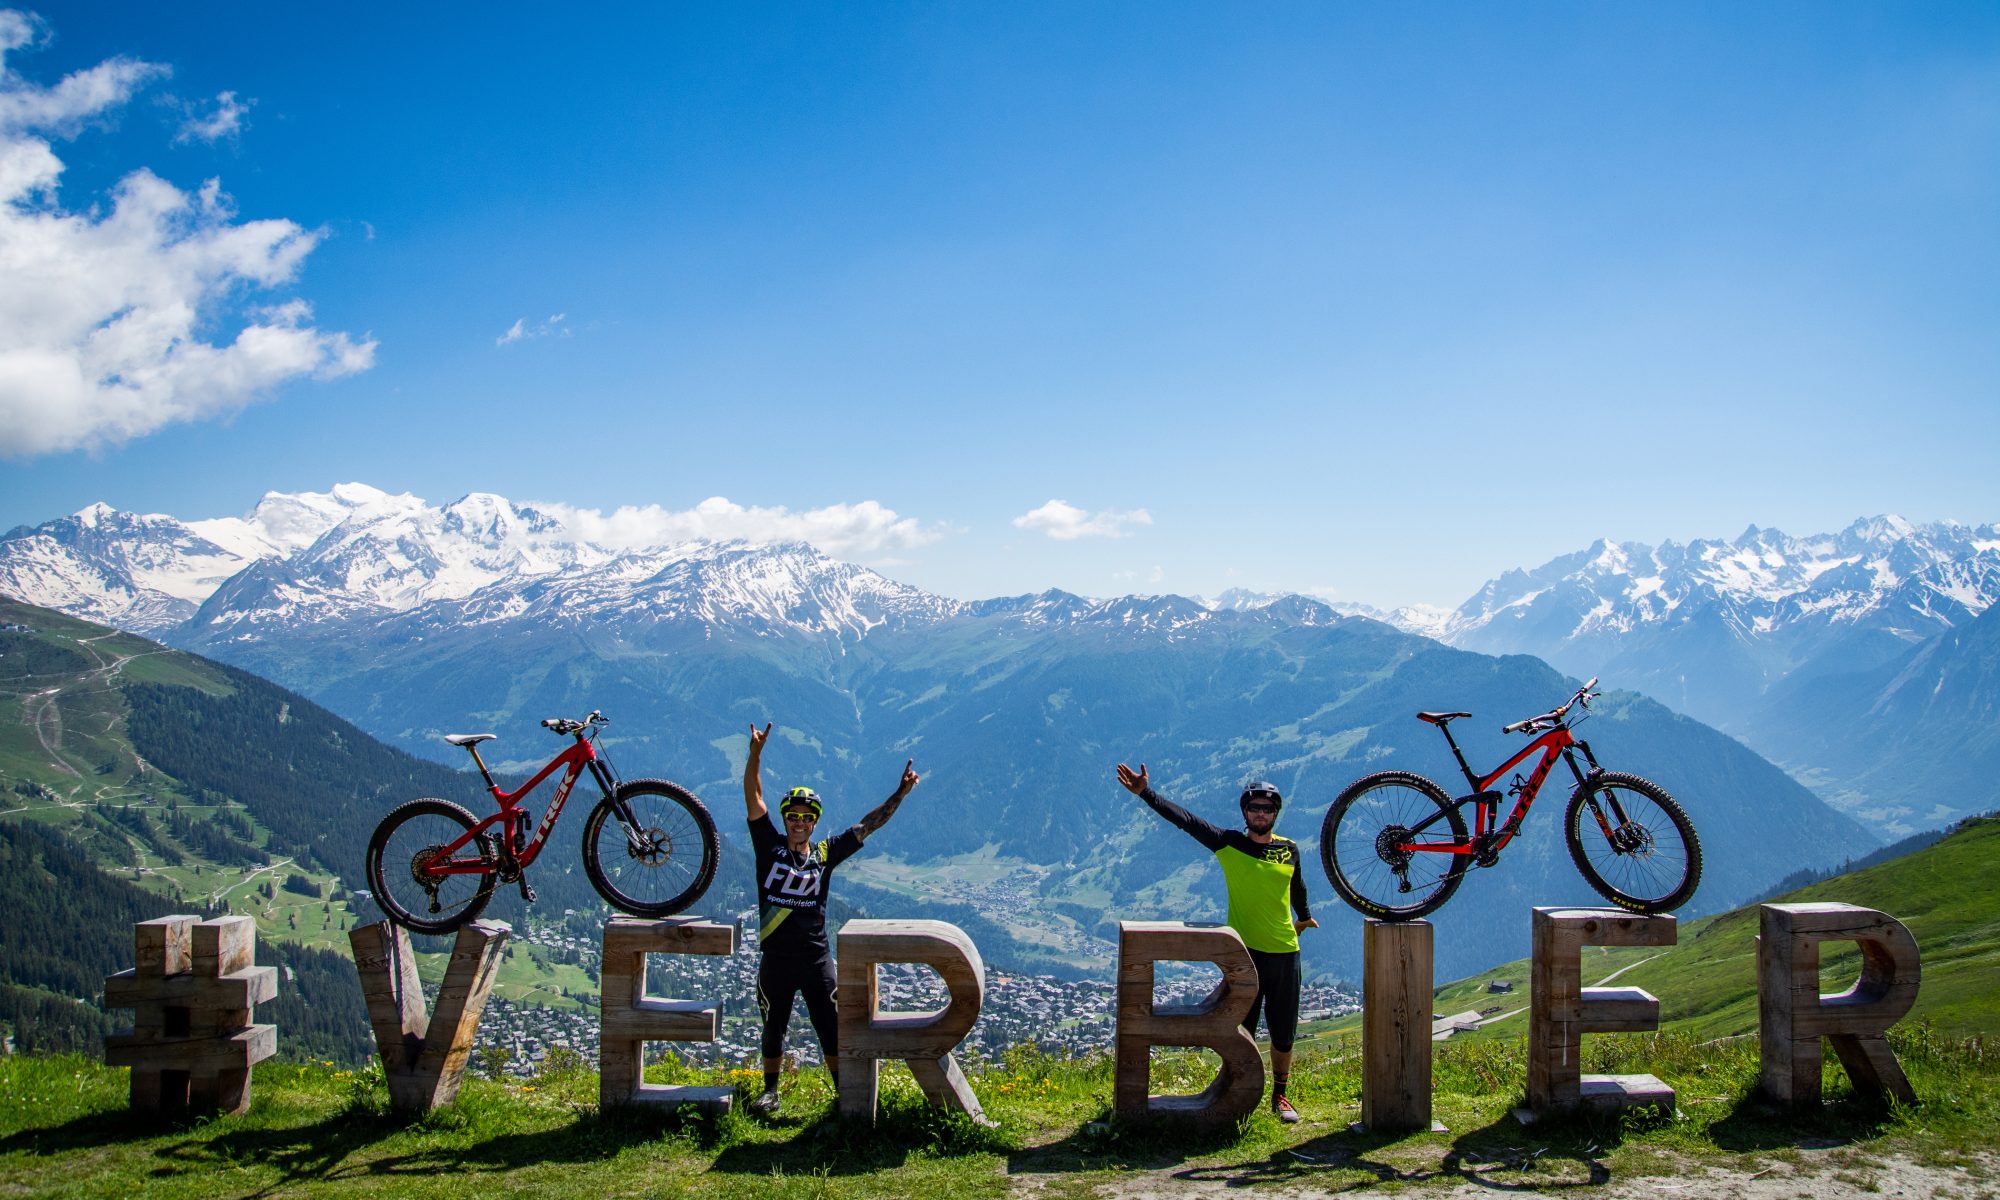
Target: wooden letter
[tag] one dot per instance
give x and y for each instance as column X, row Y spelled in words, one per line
column 1396, row 1026
column 629, row 1017
column 191, row 994
column 1792, row 1015
column 924, row 1040
column 424, row 1054
column 1216, row 1024
column 1563, row 1010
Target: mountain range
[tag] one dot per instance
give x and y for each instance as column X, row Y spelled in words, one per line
column 413, row 621
column 1860, row 660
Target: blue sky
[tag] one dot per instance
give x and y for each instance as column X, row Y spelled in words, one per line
column 1375, row 301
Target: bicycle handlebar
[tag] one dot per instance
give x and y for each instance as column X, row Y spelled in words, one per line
column 564, row 725
column 1548, row 719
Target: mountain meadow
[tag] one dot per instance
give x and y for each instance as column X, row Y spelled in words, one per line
column 316, row 1130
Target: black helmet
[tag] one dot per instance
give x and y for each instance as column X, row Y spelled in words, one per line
column 1261, row 789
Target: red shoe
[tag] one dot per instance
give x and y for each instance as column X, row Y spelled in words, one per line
column 1283, row 1107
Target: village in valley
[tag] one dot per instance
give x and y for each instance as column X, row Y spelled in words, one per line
column 1060, row 1017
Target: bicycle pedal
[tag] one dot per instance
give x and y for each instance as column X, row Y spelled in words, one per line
column 527, row 890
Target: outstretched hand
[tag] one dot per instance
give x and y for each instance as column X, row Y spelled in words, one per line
column 757, row 740
column 1135, row 782
column 910, row 779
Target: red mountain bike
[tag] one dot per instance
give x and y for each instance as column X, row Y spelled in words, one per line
column 649, row 846
column 1396, row 847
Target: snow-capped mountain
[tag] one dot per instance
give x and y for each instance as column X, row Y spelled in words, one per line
column 1709, row 625
column 150, row 572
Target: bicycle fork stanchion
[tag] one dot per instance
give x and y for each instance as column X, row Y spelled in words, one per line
column 1563, row 1010
column 1396, row 1020
column 629, row 1018
column 424, row 1054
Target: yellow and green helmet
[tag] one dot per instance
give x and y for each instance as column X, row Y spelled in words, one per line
column 801, row 797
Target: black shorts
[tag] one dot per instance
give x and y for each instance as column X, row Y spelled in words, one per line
column 1277, row 997
column 781, row 979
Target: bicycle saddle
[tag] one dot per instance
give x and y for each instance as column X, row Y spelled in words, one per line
column 1441, row 718
column 469, row 739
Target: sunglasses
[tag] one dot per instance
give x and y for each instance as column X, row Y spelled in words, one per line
column 1260, row 808
column 804, row 817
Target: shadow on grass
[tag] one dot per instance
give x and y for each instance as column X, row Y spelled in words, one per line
column 93, row 1131
column 298, row 1152
column 1554, row 1155
column 824, row 1143
column 1101, row 1144
column 1756, row 1123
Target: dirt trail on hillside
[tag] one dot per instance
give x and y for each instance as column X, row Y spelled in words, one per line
column 1837, row 1174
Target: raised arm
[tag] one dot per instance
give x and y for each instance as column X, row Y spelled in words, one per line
column 753, row 773
column 1201, row 831
column 879, row 815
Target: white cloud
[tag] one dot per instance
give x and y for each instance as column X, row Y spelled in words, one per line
column 842, row 530
column 226, row 120
column 1065, row 522
column 101, row 310
column 520, row 332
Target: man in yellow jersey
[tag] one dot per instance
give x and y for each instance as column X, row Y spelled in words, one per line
column 793, row 873
column 1267, row 909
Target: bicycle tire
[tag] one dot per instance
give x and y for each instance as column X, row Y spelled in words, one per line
column 1652, row 877
column 662, row 881
column 392, row 868
column 1351, row 846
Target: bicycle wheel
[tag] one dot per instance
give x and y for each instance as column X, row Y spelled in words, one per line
column 1644, row 855
column 411, row 837
column 1359, row 846
column 661, row 866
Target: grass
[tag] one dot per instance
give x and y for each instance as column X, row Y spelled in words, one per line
column 317, row 1131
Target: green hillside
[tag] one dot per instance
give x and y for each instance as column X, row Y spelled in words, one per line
column 1948, row 893
column 137, row 781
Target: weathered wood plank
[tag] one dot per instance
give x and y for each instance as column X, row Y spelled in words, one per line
column 629, row 1017
column 1793, row 1016
column 192, row 990
column 1396, row 1017
column 424, row 1053
column 1562, row 1010
column 1217, row 1025
column 924, row 1040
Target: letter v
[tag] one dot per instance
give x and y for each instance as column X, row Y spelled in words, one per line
column 424, row 1054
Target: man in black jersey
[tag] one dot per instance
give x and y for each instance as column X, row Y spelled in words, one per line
column 1267, row 908
column 793, row 873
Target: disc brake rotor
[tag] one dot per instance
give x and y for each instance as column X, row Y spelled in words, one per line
column 653, row 847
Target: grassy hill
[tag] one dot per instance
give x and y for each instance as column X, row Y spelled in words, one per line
column 147, row 781
column 1948, row 893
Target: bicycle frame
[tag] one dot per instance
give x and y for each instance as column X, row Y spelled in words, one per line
column 576, row 759
column 1489, row 835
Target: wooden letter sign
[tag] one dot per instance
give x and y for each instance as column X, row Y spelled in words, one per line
column 191, row 993
column 1216, row 1024
column 630, row 1018
column 1792, row 1016
column 923, row 1040
column 423, row 1053
column 1563, row 1010
column 1396, row 1026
